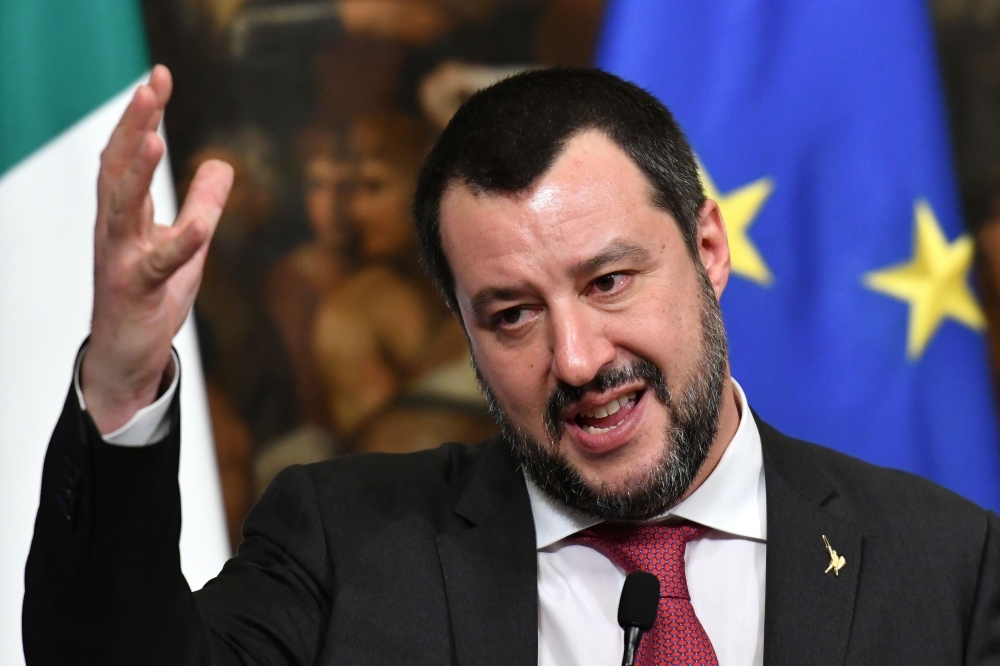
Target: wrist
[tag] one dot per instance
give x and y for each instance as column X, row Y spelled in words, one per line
column 112, row 397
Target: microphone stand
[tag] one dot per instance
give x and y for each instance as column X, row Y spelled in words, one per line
column 632, row 636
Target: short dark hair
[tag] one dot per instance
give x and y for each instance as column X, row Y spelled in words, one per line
column 507, row 136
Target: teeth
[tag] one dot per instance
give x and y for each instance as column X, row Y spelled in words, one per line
column 610, row 407
column 597, row 431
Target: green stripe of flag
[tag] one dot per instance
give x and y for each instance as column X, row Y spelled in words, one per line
column 59, row 60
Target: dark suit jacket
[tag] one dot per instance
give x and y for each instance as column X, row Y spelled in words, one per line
column 429, row 558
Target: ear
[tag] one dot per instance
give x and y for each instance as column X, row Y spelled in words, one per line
column 713, row 246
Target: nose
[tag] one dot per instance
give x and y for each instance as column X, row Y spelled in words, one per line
column 580, row 347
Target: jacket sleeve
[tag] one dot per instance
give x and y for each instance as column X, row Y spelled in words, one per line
column 103, row 581
column 983, row 643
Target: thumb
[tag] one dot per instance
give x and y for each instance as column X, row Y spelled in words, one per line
column 194, row 225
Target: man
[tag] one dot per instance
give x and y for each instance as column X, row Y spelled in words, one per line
column 561, row 215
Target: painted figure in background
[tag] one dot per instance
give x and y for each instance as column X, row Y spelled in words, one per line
column 308, row 274
column 242, row 356
column 385, row 344
column 294, row 288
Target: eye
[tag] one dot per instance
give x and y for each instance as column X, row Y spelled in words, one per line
column 509, row 317
column 513, row 320
column 610, row 282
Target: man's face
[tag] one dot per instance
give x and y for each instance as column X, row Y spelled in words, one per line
column 593, row 330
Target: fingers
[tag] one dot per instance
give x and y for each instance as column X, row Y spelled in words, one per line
column 208, row 192
column 162, row 85
column 176, row 249
column 195, row 224
column 131, row 156
column 127, row 206
column 141, row 116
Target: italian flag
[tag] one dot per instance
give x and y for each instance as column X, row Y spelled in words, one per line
column 67, row 71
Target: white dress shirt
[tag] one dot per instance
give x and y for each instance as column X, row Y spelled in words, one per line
column 579, row 588
column 148, row 425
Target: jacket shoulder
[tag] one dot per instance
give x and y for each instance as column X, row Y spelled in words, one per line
column 423, row 486
column 872, row 493
column 448, row 465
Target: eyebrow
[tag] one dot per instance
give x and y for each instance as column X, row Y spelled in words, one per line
column 613, row 253
column 481, row 300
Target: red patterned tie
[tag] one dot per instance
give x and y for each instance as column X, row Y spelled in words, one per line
column 677, row 637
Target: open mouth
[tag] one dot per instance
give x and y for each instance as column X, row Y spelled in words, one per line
column 608, row 416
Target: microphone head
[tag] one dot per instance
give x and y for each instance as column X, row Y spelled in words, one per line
column 640, row 599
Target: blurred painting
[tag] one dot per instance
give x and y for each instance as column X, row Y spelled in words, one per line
column 320, row 333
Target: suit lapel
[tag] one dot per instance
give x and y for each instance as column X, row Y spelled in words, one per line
column 808, row 613
column 490, row 568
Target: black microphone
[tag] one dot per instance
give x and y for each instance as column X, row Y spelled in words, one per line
column 637, row 610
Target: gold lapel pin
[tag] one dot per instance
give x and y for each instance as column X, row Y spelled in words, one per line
column 837, row 562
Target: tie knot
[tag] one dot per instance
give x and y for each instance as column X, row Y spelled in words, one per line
column 658, row 549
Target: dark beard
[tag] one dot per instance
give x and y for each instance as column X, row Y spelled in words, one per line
column 694, row 422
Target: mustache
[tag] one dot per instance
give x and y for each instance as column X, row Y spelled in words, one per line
column 565, row 396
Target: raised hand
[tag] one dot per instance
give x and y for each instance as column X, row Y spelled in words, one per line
column 146, row 276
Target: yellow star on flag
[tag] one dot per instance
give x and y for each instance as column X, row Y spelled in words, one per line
column 933, row 282
column 739, row 210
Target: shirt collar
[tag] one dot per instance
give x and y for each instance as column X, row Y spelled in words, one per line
column 731, row 500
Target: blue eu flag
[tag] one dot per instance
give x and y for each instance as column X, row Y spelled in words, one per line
column 821, row 132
